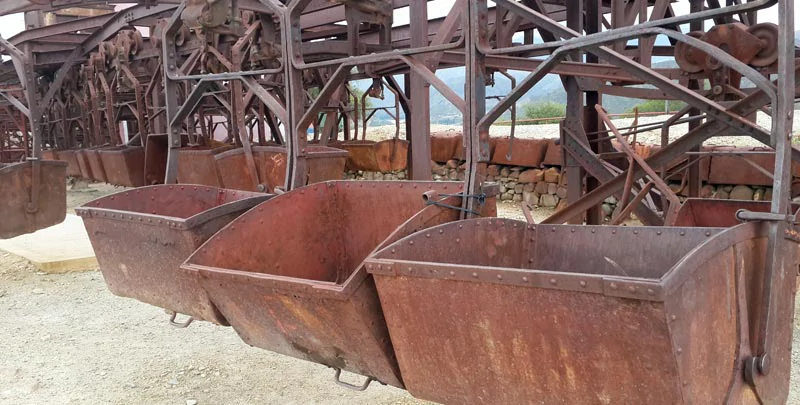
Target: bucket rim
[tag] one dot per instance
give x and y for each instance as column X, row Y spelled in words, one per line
column 13, row 167
column 339, row 290
column 641, row 288
column 250, row 200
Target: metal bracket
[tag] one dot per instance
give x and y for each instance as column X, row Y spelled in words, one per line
column 745, row 216
column 36, row 173
column 361, row 387
column 178, row 325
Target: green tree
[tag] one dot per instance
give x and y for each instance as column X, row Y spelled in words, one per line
column 658, row 106
column 545, row 109
column 356, row 94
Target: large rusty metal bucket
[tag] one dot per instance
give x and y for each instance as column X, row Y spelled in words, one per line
column 323, row 164
column 270, row 165
column 196, row 165
column 503, row 312
column 92, row 155
column 83, row 164
column 13, row 155
column 123, row 165
column 73, row 167
column 50, row 154
column 304, row 292
column 141, row 237
column 384, row 156
column 30, row 201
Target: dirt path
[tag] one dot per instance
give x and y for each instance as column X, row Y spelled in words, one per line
column 65, row 339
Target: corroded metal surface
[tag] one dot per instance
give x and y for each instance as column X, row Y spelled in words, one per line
column 82, row 160
column 717, row 213
column 596, row 314
column 306, row 294
column 92, row 156
column 197, row 165
column 73, row 164
column 124, row 166
column 384, row 156
column 324, row 163
column 519, row 152
column 141, row 237
column 517, row 302
column 29, row 201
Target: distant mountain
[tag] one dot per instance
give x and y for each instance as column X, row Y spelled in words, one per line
column 549, row 88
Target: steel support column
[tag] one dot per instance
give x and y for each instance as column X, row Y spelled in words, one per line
column 575, row 106
column 419, row 161
column 477, row 139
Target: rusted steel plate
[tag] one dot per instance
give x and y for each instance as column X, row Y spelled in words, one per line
column 306, row 293
column 155, row 159
column 96, row 164
column 524, row 152
column 141, row 237
column 73, row 167
column 714, row 304
column 360, row 155
column 716, row 213
column 272, row 167
column 521, row 303
column 552, row 156
column 124, row 166
column 50, row 154
column 234, row 173
column 324, row 163
column 384, row 156
column 16, row 180
column 13, row 156
column 734, row 170
column 83, row 163
column 197, row 165
column 445, row 145
column 645, row 150
column 391, row 154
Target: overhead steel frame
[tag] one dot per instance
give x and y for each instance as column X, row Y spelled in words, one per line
column 585, row 77
column 478, row 38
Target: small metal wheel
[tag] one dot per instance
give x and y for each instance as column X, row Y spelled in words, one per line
column 768, row 34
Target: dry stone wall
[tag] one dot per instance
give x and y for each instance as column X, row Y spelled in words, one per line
column 547, row 186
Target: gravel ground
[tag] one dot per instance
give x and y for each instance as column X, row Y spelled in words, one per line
column 65, row 339
column 551, row 131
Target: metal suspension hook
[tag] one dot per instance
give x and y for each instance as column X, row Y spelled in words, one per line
column 353, row 387
column 179, row 325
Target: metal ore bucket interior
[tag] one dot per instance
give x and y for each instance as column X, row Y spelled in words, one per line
column 141, row 236
column 569, row 312
column 22, row 211
column 299, row 288
column 715, row 212
column 70, row 156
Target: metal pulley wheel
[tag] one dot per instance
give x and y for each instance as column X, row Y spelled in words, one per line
column 768, row 34
column 689, row 58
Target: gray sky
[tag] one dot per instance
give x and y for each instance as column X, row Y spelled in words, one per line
column 12, row 24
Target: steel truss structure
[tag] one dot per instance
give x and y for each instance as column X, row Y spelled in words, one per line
column 136, row 96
